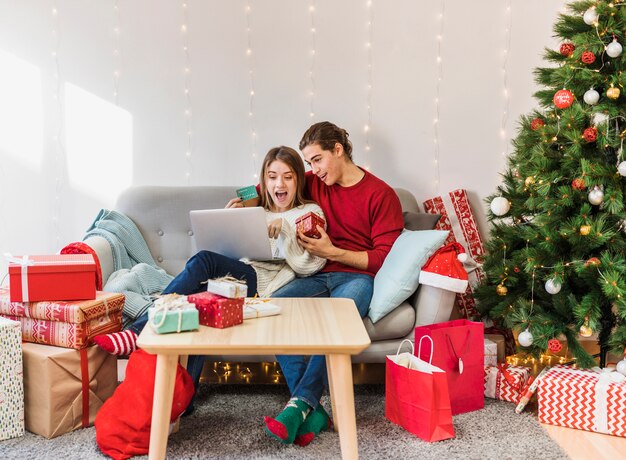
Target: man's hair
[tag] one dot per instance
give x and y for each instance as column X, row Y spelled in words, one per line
column 326, row 135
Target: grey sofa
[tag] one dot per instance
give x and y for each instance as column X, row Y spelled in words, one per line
column 162, row 216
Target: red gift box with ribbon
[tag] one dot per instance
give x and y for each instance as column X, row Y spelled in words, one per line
column 307, row 224
column 52, row 277
column 218, row 311
column 591, row 400
column 505, row 382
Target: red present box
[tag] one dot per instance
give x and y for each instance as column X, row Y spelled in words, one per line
column 505, row 382
column 218, row 311
column 52, row 277
column 591, row 400
column 458, row 219
column 65, row 324
column 307, row 224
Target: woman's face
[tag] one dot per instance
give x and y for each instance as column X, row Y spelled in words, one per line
column 281, row 184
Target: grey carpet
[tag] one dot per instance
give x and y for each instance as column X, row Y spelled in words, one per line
column 228, row 424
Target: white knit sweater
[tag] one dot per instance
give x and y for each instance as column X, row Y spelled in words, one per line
column 298, row 262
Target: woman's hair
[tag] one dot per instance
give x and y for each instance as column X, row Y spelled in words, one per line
column 292, row 159
column 326, row 135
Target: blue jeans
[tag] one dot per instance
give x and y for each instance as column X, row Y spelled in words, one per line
column 306, row 376
column 201, row 267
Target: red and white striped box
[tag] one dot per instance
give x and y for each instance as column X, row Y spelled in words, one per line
column 71, row 324
column 591, row 400
column 458, row 218
column 505, row 382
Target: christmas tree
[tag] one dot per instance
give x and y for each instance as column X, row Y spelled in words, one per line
column 556, row 264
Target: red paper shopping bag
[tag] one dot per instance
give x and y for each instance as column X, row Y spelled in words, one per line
column 416, row 397
column 459, row 351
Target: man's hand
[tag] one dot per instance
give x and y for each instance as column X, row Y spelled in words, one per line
column 323, row 247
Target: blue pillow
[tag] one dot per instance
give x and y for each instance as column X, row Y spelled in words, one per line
column 398, row 278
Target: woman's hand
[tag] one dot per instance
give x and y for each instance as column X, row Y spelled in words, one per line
column 273, row 228
column 235, row 203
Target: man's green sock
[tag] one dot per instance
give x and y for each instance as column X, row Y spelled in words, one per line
column 285, row 426
column 316, row 422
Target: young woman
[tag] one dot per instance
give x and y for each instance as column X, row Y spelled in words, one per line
column 282, row 196
column 364, row 218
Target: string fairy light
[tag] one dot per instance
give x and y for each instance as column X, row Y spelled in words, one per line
column 251, row 116
column 186, row 90
column 368, row 45
column 313, row 56
column 117, row 58
column 505, row 77
column 437, row 93
column 59, row 155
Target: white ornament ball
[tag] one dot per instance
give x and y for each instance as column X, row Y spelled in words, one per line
column 621, row 168
column 525, row 338
column 591, row 97
column 599, row 117
column 500, row 206
column 552, row 287
column 621, row 367
column 614, row 49
column 596, row 196
column 590, row 16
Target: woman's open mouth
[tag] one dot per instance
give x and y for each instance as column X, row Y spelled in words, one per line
column 280, row 196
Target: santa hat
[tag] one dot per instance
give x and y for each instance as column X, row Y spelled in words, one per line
column 444, row 269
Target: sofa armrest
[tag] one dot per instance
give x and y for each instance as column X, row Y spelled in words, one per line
column 102, row 248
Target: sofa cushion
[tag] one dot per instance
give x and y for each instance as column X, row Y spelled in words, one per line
column 396, row 324
column 420, row 220
column 398, row 278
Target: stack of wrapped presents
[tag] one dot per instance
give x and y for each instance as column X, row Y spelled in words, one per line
column 52, row 375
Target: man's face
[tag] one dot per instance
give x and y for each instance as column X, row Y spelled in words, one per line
column 325, row 164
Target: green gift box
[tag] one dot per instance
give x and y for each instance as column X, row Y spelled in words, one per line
column 176, row 320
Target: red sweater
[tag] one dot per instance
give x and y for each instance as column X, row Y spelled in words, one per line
column 366, row 216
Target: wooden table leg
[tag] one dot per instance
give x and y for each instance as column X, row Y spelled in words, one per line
column 162, row 406
column 342, row 397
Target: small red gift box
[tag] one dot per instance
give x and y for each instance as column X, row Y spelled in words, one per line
column 218, row 311
column 52, row 277
column 505, row 382
column 307, row 224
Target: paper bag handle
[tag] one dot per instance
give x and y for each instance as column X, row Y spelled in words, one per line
column 432, row 348
column 402, row 343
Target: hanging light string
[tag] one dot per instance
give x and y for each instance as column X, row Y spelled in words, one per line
column 437, row 93
column 251, row 116
column 505, row 79
column 117, row 58
column 187, row 95
column 59, row 155
column 368, row 45
column 313, row 56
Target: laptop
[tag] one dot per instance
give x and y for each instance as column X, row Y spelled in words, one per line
column 235, row 233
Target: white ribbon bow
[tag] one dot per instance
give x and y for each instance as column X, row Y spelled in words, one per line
column 170, row 303
column 24, row 262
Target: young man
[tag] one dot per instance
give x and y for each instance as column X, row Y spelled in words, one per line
column 364, row 218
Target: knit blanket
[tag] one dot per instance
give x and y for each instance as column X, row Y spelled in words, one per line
column 135, row 273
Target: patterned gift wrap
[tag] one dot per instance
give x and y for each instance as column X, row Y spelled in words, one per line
column 591, row 400
column 227, row 288
column 11, row 381
column 71, row 324
column 218, row 311
column 505, row 382
column 457, row 217
column 52, row 277
column 491, row 353
column 308, row 223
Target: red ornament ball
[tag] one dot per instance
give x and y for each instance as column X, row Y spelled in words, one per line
column 554, row 345
column 588, row 57
column 563, row 98
column 594, row 262
column 579, row 184
column 567, row 49
column 590, row 134
column 536, row 124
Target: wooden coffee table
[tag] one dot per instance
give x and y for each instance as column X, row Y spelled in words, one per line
column 306, row 326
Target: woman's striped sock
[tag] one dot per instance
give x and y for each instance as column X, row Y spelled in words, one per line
column 118, row 343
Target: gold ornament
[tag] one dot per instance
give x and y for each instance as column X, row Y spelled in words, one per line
column 530, row 180
column 501, row 290
column 585, row 330
column 612, row 93
column 585, row 230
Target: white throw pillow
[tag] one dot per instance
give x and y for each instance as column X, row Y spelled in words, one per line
column 398, row 278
